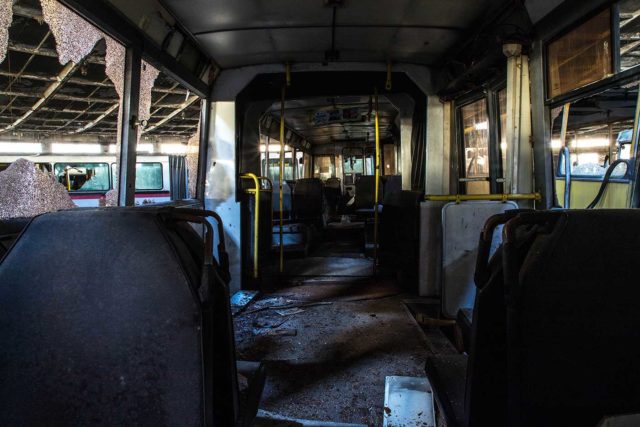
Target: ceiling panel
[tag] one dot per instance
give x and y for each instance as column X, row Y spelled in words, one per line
column 246, row 32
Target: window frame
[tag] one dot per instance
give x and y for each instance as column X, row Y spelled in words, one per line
column 618, row 77
column 161, row 179
column 53, row 171
column 462, row 167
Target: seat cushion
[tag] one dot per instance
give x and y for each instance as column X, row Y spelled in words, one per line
column 447, row 375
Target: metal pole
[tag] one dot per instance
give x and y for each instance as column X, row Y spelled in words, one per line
column 565, row 155
column 281, row 177
column 129, row 133
column 493, row 197
column 205, row 115
column 376, row 194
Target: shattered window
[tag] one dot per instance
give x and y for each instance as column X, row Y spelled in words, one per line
column 170, row 114
column 60, row 85
column 83, row 176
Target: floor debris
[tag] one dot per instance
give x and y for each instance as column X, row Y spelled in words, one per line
column 289, row 311
column 284, row 332
column 334, row 368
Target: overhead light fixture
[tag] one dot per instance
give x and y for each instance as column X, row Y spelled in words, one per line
column 75, row 148
column 21, row 147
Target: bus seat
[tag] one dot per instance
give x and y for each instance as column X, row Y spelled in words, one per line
column 333, row 193
column 308, row 201
column 287, row 202
column 10, row 229
column 364, row 194
column 400, row 235
column 482, row 378
column 573, row 319
column 392, row 189
column 107, row 331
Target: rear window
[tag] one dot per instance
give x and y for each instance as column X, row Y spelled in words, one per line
column 83, row 177
column 148, row 176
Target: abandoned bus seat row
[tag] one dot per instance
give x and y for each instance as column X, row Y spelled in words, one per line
column 119, row 337
column 526, row 364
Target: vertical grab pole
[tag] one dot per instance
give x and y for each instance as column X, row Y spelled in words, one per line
column 256, row 219
column 376, row 194
column 281, row 176
column 565, row 154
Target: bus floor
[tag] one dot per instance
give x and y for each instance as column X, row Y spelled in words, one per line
column 328, row 352
column 337, row 251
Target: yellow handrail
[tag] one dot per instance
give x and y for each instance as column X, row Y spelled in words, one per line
column 280, row 181
column 377, row 186
column 490, row 197
column 257, row 180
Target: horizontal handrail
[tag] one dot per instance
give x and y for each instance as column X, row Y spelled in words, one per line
column 489, row 197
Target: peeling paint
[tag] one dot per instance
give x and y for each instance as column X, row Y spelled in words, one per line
column 6, row 16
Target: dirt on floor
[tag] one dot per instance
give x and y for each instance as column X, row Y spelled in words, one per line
column 329, row 346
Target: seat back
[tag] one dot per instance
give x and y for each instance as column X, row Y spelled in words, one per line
column 365, row 191
column 308, row 200
column 287, row 196
column 114, row 328
column 486, row 383
column 392, row 189
column 573, row 319
column 10, row 229
column 333, row 193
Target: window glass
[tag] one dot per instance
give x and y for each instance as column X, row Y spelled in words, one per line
column 273, row 167
column 149, row 176
column 323, row 167
column 475, row 125
column 300, row 164
column 629, row 30
column 83, row 176
column 502, row 106
column 599, row 131
column 389, row 152
column 581, row 56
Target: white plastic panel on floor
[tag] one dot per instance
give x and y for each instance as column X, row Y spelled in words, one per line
column 408, row 402
column 461, row 227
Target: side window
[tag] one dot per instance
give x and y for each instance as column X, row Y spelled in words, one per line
column 475, row 143
column 149, row 176
column 83, row 176
column 323, row 167
column 581, row 56
column 599, row 131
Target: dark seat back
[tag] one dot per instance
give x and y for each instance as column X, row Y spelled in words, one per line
column 486, row 383
column 573, row 319
column 308, row 200
column 392, row 189
column 365, row 191
column 332, row 193
column 10, row 229
column 114, row 327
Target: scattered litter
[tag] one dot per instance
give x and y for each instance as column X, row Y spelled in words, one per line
column 289, row 311
column 284, row 332
column 266, row 323
column 242, row 298
column 260, row 306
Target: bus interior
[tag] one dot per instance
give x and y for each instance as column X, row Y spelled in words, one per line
column 329, row 213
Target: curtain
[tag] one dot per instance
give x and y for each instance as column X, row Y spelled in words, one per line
column 178, row 177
